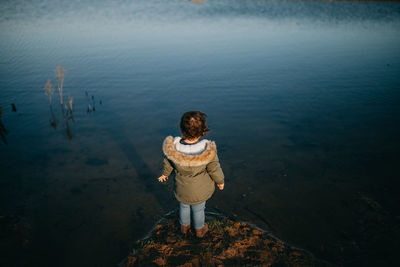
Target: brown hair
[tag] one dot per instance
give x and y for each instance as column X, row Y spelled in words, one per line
column 193, row 124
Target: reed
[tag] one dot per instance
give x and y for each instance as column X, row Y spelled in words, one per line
column 49, row 91
column 66, row 108
column 71, row 102
column 60, row 81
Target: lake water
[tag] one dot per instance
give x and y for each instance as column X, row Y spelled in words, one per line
column 302, row 100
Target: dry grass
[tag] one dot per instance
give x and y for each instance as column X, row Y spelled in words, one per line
column 60, row 81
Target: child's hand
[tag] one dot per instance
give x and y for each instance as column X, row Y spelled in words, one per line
column 162, row 178
column 221, row 186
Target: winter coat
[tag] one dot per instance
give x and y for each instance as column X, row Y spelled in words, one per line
column 195, row 175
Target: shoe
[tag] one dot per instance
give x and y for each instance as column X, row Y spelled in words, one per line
column 202, row 231
column 185, row 228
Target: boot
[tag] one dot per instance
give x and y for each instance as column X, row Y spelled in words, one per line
column 185, row 228
column 202, row 231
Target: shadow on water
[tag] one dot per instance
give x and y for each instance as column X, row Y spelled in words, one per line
column 3, row 130
column 144, row 173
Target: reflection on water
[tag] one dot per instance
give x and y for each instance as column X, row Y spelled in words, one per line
column 302, row 99
column 53, row 119
column 3, row 130
column 91, row 106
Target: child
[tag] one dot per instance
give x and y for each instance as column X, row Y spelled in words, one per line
column 196, row 167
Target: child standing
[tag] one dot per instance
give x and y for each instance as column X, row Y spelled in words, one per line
column 196, row 167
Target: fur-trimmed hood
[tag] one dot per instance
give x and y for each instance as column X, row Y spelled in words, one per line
column 177, row 157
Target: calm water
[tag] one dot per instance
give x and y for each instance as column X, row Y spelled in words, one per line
column 302, row 100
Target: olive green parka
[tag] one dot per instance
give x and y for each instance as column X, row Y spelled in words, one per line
column 195, row 175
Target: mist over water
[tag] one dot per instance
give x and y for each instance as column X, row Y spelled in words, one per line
column 301, row 96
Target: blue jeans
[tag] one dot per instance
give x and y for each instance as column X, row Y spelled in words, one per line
column 198, row 214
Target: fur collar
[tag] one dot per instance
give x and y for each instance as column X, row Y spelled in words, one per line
column 189, row 160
